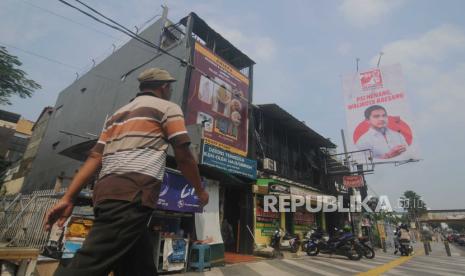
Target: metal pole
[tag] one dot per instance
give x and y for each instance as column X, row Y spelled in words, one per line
column 425, row 246
column 351, row 190
column 446, row 245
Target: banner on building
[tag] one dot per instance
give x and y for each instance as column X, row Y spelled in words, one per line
column 207, row 223
column 352, row 181
column 378, row 117
column 219, row 99
column 277, row 188
column 176, row 194
column 227, row 161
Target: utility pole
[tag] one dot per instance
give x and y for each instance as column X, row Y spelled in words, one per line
column 351, row 190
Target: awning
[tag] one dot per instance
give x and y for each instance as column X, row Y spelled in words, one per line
column 79, row 151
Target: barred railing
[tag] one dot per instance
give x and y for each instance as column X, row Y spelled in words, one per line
column 22, row 219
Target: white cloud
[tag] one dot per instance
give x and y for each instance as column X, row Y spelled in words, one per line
column 258, row 48
column 430, row 64
column 362, row 13
column 434, row 69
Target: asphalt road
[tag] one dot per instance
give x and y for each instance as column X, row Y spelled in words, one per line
column 437, row 263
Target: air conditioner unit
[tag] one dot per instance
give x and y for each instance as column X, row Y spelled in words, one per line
column 269, row 164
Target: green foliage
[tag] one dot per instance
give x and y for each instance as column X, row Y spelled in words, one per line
column 13, row 80
column 413, row 203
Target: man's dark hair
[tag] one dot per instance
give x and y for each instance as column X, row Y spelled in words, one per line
column 151, row 84
column 371, row 109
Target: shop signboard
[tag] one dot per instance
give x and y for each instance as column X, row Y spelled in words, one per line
column 378, row 116
column 277, row 188
column 303, row 221
column 219, row 100
column 227, row 161
column 177, row 194
column 266, row 222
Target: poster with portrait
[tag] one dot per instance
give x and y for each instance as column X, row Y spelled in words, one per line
column 218, row 99
column 378, row 116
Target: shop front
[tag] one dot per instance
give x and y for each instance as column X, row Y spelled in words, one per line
column 298, row 222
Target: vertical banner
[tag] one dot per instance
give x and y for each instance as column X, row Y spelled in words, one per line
column 218, row 98
column 378, row 117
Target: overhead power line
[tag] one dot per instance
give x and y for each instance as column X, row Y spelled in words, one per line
column 120, row 28
column 49, row 59
column 117, row 26
column 70, row 20
column 41, row 56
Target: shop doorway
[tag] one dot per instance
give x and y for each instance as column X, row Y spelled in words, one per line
column 232, row 198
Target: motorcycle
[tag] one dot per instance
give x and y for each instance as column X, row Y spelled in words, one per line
column 306, row 239
column 368, row 251
column 405, row 248
column 343, row 243
column 288, row 241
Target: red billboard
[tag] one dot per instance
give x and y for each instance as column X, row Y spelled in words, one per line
column 353, row 181
column 378, row 117
column 218, row 99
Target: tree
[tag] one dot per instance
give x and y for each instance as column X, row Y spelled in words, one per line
column 413, row 204
column 13, row 80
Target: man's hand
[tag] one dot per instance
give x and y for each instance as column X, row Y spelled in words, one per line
column 203, row 197
column 58, row 213
column 395, row 151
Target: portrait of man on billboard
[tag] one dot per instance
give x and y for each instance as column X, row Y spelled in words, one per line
column 382, row 140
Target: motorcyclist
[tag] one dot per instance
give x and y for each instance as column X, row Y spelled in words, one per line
column 402, row 234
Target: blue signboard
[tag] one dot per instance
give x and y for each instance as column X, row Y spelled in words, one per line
column 176, row 194
column 230, row 162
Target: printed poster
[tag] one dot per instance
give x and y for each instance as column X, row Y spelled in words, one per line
column 378, row 116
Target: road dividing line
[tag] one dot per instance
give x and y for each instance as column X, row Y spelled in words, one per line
column 309, row 268
column 264, row 268
column 387, row 266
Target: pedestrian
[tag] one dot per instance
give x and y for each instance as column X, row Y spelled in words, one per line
column 131, row 152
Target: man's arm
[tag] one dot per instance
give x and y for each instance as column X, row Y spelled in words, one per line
column 188, row 167
column 63, row 208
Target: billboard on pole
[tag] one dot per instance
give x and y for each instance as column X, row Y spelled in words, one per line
column 378, row 117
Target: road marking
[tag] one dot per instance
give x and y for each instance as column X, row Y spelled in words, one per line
column 345, row 262
column 413, row 264
column 264, row 268
column 427, row 270
column 346, row 269
column 386, row 267
column 309, row 268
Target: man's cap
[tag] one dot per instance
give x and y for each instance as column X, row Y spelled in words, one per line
column 155, row 74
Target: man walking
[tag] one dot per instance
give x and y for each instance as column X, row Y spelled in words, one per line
column 131, row 152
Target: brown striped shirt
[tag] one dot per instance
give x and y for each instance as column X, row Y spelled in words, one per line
column 134, row 144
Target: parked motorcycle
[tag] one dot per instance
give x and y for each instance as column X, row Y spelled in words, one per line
column 342, row 243
column 282, row 240
column 368, row 251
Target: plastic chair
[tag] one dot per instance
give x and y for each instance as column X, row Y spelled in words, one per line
column 200, row 257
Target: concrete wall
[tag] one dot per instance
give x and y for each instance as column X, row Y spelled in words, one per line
column 82, row 107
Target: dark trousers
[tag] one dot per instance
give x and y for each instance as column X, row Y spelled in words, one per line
column 119, row 241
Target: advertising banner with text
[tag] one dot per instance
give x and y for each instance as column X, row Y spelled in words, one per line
column 378, row 117
column 218, row 99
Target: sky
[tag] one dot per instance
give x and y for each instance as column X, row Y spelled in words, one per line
column 301, row 48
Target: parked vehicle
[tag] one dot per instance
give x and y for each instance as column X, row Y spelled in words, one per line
column 306, row 239
column 461, row 240
column 282, row 240
column 368, row 251
column 342, row 243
